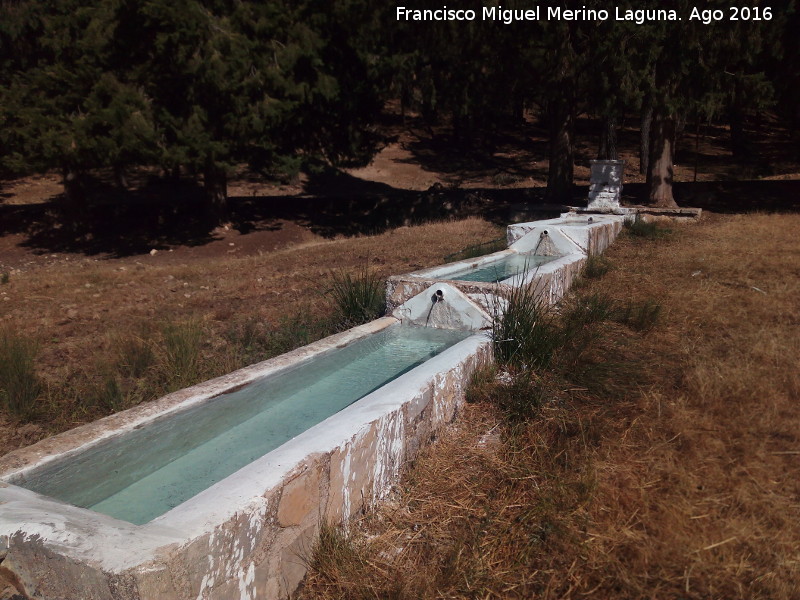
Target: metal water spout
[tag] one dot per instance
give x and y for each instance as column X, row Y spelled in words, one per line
column 437, row 297
column 545, row 246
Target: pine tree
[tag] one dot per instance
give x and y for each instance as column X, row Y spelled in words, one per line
column 63, row 107
column 255, row 82
column 201, row 84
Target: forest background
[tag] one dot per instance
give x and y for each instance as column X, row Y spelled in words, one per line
column 199, row 89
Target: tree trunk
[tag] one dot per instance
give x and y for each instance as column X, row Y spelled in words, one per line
column 739, row 142
column 74, row 191
column 560, row 174
column 696, row 146
column 463, row 130
column 660, row 175
column 74, row 197
column 215, row 184
column 644, row 136
column 120, row 177
column 608, row 139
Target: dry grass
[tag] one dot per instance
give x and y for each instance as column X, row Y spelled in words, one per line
column 97, row 322
column 684, row 483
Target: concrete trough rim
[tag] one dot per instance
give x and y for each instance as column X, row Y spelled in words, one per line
column 458, row 265
column 545, row 269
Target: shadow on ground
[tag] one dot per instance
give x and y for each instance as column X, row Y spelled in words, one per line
column 505, row 156
column 729, row 196
column 164, row 214
column 114, row 222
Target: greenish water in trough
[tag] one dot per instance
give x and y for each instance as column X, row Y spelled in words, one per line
column 141, row 474
column 498, row 270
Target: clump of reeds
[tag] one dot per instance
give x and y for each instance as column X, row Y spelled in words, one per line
column 524, row 329
column 359, row 297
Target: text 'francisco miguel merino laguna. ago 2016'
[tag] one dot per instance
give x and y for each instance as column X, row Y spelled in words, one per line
column 536, row 13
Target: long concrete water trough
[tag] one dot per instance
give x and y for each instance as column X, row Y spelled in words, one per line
column 167, row 533
column 219, row 490
column 548, row 253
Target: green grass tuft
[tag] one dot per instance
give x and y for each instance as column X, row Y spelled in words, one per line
column 521, row 394
column 524, row 329
column 19, row 384
column 337, row 560
column 649, row 230
column 358, row 298
column 180, row 363
column 108, row 395
column 134, row 356
column 580, row 318
column 596, row 266
column 641, row 316
column 251, row 339
column 299, row 330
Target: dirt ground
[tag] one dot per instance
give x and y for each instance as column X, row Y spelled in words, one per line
column 662, row 462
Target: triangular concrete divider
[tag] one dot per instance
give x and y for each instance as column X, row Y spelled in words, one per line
column 546, row 240
column 443, row 306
